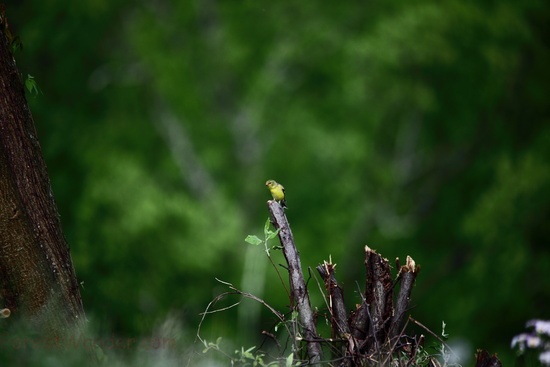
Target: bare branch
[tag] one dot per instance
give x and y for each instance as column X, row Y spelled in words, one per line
column 299, row 295
column 337, row 309
column 336, row 305
column 434, row 335
column 373, row 315
column 236, row 291
column 407, row 275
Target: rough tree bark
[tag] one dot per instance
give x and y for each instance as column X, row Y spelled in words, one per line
column 407, row 275
column 37, row 279
column 298, row 289
column 374, row 327
column 371, row 321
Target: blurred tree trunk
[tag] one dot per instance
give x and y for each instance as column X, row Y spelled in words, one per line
column 37, row 279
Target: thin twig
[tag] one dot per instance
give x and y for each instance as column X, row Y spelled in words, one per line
column 392, row 349
column 279, row 275
column 236, row 291
column 434, row 335
column 415, row 350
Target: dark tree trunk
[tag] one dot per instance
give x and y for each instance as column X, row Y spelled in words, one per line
column 37, row 279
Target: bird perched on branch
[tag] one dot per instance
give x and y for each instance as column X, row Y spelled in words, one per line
column 277, row 191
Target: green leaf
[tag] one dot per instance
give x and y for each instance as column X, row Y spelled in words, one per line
column 16, row 44
column 266, row 227
column 31, row 85
column 443, row 330
column 271, row 235
column 289, row 360
column 253, row 240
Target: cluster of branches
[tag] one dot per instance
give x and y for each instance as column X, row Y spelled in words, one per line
column 373, row 334
column 372, row 331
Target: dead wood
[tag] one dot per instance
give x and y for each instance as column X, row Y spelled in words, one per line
column 371, row 320
column 298, row 291
column 407, row 276
column 483, row 359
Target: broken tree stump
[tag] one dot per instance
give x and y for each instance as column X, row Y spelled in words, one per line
column 376, row 323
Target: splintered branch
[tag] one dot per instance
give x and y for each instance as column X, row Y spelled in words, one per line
column 373, row 334
column 336, row 304
column 483, row 359
column 407, row 275
column 370, row 321
column 337, row 310
column 298, row 291
column 378, row 293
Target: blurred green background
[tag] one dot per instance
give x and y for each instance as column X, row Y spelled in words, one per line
column 418, row 128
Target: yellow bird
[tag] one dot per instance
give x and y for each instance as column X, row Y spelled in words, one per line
column 277, row 191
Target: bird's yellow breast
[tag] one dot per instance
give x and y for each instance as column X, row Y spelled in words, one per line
column 277, row 192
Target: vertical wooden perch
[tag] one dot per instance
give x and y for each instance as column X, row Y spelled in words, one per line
column 298, row 290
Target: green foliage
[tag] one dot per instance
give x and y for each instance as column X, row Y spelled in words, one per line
column 268, row 235
column 419, row 128
column 248, row 357
column 31, row 85
column 16, row 44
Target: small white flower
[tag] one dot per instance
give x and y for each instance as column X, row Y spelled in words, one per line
column 526, row 340
column 544, row 358
column 540, row 326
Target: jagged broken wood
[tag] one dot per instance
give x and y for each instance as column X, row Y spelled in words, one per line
column 371, row 320
column 376, row 321
column 374, row 331
column 407, row 275
column 298, row 291
column 337, row 311
column 336, row 304
column 483, row 359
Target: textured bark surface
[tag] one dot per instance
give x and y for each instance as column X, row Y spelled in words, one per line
column 337, row 307
column 37, row 279
column 370, row 321
column 378, row 294
column 298, row 290
column 407, row 276
column 483, row 359
column 338, row 313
